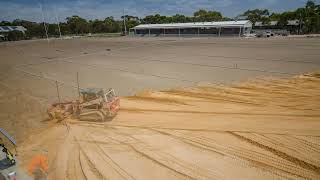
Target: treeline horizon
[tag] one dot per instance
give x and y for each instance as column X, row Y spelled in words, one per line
column 308, row 16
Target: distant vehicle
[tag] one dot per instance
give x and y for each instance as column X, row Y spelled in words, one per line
column 265, row 34
column 251, row 35
column 269, row 34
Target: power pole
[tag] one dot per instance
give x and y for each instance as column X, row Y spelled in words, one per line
column 58, row 93
column 45, row 27
column 124, row 23
column 55, row 11
column 78, row 85
column 300, row 24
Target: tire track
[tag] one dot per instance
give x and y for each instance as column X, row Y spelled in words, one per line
column 260, row 160
column 300, row 148
column 281, row 154
column 90, row 171
column 74, row 169
column 312, row 140
column 286, row 145
column 112, row 163
column 194, row 143
column 183, row 168
column 81, row 164
column 148, row 156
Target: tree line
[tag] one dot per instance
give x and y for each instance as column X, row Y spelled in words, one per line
column 308, row 16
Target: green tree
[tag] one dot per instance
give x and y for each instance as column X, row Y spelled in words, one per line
column 98, row 26
column 155, row 19
column 15, row 36
column 179, row 18
column 206, row 16
column 257, row 15
column 78, row 25
column 312, row 17
column 131, row 21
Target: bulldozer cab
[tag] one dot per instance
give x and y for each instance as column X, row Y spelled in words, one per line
column 109, row 95
column 96, row 93
column 90, row 94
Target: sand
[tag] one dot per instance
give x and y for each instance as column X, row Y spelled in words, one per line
column 190, row 108
column 254, row 130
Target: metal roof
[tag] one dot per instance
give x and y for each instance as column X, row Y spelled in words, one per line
column 245, row 23
column 12, row 28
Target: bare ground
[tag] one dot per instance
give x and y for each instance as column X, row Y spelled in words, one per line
column 254, row 130
column 263, row 128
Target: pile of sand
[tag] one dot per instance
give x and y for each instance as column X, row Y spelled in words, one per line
column 261, row 129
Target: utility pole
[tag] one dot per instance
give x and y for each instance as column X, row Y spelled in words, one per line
column 300, row 24
column 78, row 85
column 124, row 23
column 58, row 93
column 55, row 11
column 45, row 27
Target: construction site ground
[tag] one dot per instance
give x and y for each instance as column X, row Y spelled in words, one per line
column 191, row 108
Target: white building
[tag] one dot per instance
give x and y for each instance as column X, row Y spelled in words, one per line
column 222, row 28
column 12, row 28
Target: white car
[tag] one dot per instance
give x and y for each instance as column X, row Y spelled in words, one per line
column 268, row 34
column 251, row 35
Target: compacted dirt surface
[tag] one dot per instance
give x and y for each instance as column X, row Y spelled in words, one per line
column 191, row 108
column 262, row 129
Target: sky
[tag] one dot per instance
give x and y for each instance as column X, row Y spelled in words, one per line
column 54, row 10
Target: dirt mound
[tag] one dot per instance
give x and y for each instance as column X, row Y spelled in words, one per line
column 264, row 98
column 261, row 129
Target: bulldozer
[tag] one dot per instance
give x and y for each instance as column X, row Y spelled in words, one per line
column 94, row 104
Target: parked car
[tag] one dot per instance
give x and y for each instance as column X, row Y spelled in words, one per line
column 265, row 34
column 269, row 34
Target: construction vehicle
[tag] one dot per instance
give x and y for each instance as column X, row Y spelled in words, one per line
column 9, row 155
column 9, row 162
column 94, row 104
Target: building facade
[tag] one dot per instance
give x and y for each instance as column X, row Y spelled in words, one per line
column 203, row 29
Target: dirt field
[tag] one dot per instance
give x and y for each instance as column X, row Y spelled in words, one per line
column 190, row 108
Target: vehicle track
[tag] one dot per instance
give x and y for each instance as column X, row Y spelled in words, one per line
column 88, row 168
column 288, row 145
column 269, row 163
column 281, row 154
column 74, row 169
column 186, row 169
column 111, row 169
